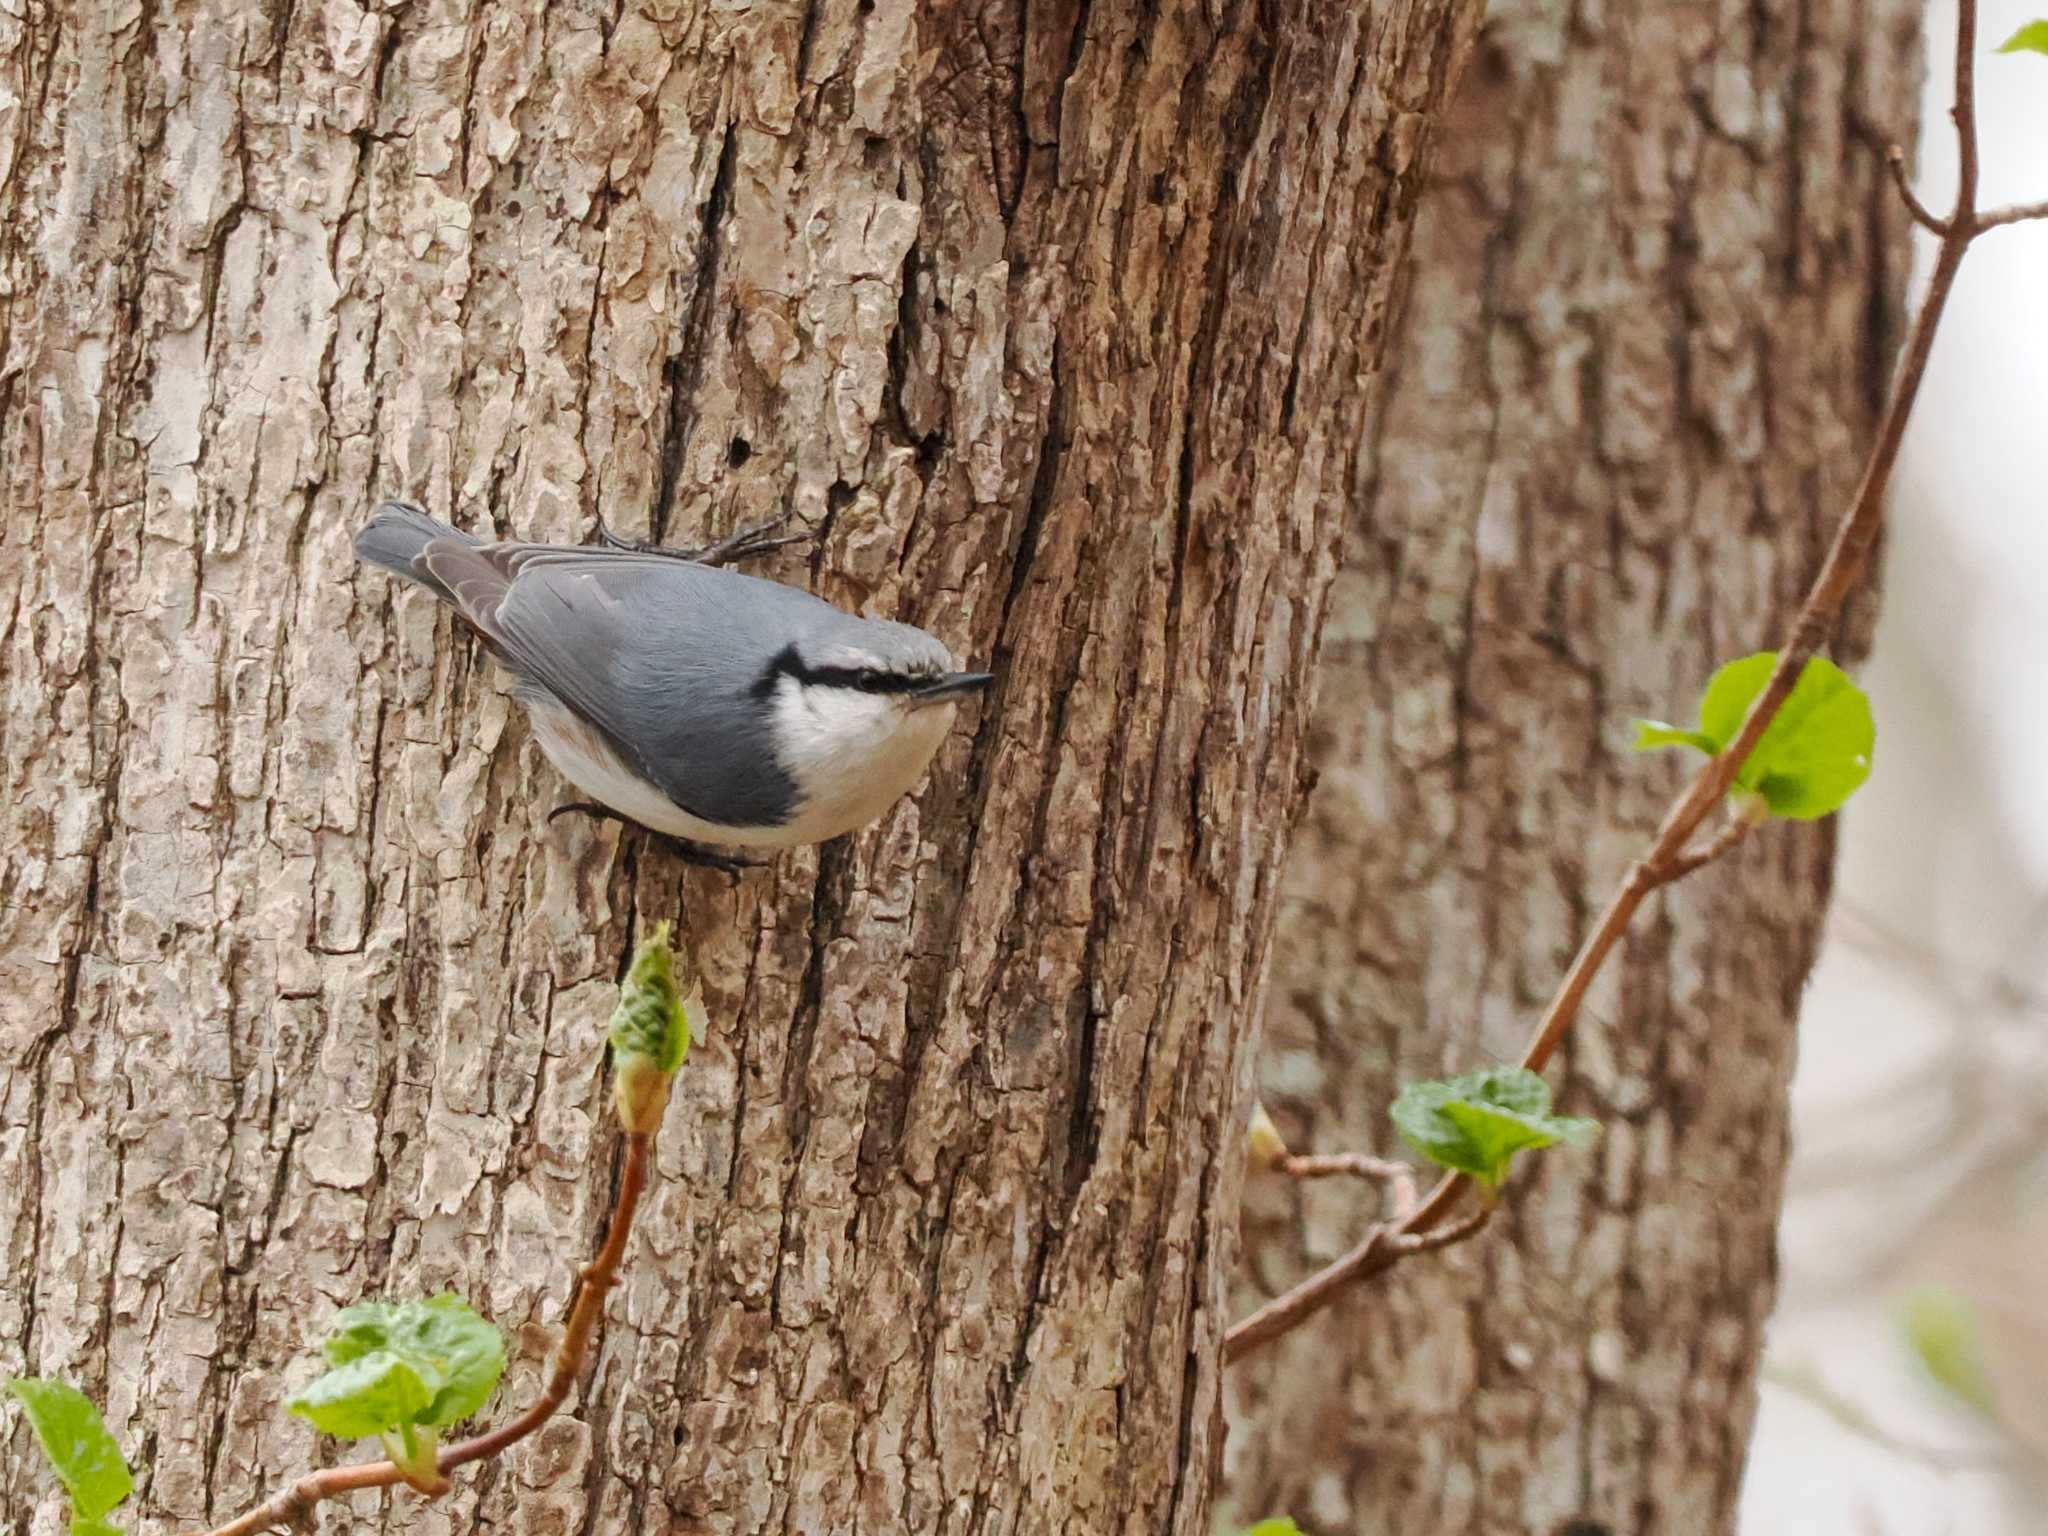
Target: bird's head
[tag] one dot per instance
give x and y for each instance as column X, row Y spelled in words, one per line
column 858, row 711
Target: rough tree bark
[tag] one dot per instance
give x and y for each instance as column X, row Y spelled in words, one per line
column 1652, row 303
column 1055, row 321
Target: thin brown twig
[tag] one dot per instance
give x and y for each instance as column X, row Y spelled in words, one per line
column 295, row 1503
column 2015, row 213
column 1405, row 1243
column 1895, row 157
column 1384, row 1245
column 1686, row 861
column 1399, row 1178
column 1667, row 859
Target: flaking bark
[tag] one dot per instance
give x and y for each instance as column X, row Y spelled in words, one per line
column 1056, row 323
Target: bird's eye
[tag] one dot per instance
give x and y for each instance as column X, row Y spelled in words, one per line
column 881, row 680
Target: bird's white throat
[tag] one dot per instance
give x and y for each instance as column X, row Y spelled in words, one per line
column 852, row 754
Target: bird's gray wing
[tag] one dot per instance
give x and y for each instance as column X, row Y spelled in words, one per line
column 671, row 661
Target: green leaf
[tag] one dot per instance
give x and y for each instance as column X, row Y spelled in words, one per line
column 1813, row 755
column 1651, row 734
column 74, row 1437
column 359, row 1330
column 651, row 1019
column 1279, row 1526
column 2032, row 38
column 470, row 1352
column 90, row 1525
column 1476, row 1123
column 372, row 1393
column 1816, row 752
column 1728, row 694
column 424, row 1363
column 1941, row 1329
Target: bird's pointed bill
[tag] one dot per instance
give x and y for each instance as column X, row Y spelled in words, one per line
column 952, row 686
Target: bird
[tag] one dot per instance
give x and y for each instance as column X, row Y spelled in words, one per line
column 712, row 707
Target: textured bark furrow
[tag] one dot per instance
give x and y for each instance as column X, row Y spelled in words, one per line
column 1650, row 306
column 1053, row 322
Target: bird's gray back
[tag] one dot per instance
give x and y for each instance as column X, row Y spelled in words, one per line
column 674, row 662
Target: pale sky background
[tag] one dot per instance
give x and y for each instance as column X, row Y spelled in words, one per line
column 1921, row 1105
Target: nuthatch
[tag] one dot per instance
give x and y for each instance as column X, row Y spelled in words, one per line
column 702, row 703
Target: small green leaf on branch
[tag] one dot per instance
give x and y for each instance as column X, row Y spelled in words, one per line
column 1476, row 1123
column 1279, row 1526
column 1813, row 755
column 403, row 1367
column 2031, row 38
column 72, row 1434
column 381, row 1391
column 1651, row 734
column 1941, row 1329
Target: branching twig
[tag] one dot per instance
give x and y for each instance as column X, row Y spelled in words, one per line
column 1385, row 1244
column 2017, row 213
column 293, row 1505
column 1667, row 858
column 1399, row 1178
column 1895, row 157
column 1687, row 860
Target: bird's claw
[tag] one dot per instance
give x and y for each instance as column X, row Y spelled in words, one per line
column 589, row 808
column 689, row 852
column 744, row 544
column 709, row 858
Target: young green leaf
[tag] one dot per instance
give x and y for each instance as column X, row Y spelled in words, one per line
column 1728, row 694
column 1476, row 1123
column 1813, row 755
column 398, row 1366
column 1278, row 1526
column 73, row 1436
column 1651, row 734
column 442, row 1333
column 2031, row 38
column 372, row 1393
column 1941, row 1329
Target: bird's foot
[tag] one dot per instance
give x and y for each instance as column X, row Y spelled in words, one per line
column 705, row 857
column 745, row 544
column 689, row 852
column 589, row 808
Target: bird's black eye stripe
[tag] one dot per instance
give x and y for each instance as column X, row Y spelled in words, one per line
column 788, row 663
column 864, row 679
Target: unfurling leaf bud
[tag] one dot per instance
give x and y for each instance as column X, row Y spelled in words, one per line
column 1749, row 805
column 1263, row 1148
column 650, row 1031
column 415, row 1449
column 640, row 1092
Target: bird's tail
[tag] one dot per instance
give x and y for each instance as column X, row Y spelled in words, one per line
column 394, row 536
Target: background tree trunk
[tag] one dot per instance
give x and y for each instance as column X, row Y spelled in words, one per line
column 1656, row 289
column 1055, row 322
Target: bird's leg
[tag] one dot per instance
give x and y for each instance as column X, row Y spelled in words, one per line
column 745, row 544
column 750, row 543
column 689, row 852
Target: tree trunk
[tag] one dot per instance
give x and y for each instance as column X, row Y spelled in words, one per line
column 1654, row 296
column 1055, row 324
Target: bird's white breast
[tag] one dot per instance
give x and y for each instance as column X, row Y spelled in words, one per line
column 853, row 755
